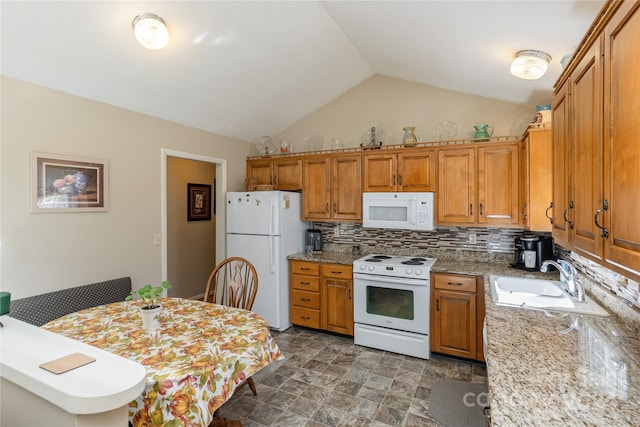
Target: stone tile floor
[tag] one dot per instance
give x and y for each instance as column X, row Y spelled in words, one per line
column 327, row 380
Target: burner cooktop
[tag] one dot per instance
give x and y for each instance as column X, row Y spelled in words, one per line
column 394, row 266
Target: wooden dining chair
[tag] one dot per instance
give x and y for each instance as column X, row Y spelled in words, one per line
column 234, row 283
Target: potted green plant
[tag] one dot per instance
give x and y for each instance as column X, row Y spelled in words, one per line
column 151, row 307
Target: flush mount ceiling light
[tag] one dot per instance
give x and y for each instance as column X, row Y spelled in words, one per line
column 151, row 31
column 530, row 64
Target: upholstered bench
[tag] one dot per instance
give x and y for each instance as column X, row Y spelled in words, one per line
column 40, row 309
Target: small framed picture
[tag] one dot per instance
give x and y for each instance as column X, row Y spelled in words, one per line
column 198, row 202
column 68, row 184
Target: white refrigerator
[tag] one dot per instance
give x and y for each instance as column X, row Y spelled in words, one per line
column 264, row 227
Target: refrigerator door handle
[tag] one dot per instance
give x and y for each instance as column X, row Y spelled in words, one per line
column 272, row 219
column 272, row 256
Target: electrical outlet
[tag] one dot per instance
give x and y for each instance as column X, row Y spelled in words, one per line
column 472, row 238
column 157, row 239
column 336, row 231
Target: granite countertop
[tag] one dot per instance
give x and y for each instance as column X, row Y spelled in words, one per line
column 543, row 370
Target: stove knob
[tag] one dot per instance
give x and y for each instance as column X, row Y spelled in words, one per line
column 417, row 271
column 363, row 267
column 371, row 267
column 408, row 271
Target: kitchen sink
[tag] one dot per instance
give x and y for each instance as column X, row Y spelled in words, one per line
column 539, row 294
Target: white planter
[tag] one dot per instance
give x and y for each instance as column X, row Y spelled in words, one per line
column 150, row 318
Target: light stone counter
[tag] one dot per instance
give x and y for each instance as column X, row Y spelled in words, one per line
column 543, row 372
column 569, row 370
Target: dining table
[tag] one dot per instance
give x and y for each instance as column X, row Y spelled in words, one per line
column 194, row 361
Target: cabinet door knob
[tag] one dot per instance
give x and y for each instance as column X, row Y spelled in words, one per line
column 454, row 284
column 481, row 209
column 471, row 209
column 305, row 299
column 437, row 304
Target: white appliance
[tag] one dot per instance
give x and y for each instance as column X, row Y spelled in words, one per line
column 264, row 227
column 406, row 211
column 391, row 303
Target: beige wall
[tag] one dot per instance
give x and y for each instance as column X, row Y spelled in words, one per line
column 394, row 104
column 191, row 249
column 49, row 251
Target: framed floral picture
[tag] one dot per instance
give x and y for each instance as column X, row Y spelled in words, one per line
column 68, row 184
column 198, row 202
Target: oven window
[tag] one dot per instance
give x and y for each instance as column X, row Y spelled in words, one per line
column 388, row 302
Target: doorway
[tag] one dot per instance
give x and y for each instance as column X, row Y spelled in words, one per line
column 190, row 249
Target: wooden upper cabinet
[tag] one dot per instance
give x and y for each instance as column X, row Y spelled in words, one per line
column 316, row 188
column 585, row 162
column 498, row 185
column 380, row 172
column 417, row 170
column 332, row 188
column 457, row 186
column 560, row 161
column 478, row 186
column 346, row 187
column 412, row 169
column 283, row 173
column 536, row 180
column 287, row 173
column 261, row 170
column 622, row 148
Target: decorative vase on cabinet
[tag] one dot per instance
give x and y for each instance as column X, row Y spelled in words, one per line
column 409, row 139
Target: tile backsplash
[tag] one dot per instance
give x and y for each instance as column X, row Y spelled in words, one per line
column 491, row 240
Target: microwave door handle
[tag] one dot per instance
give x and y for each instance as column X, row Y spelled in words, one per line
column 411, row 215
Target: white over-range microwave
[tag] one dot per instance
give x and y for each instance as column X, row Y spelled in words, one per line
column 405, row 211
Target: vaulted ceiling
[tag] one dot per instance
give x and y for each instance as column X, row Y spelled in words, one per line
column 245, row 69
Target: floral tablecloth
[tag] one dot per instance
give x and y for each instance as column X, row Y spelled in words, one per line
column 194, row 362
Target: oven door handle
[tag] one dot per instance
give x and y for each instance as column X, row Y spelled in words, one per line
column 389, row 279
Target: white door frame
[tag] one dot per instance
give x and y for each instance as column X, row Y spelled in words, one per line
column 220, row 191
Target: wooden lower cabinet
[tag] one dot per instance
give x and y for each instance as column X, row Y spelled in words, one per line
column 337, row 299
column 321, row 296
column 457, row 315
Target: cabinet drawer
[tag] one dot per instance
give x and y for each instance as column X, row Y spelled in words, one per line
column 305, row 299
column 337, row 271
column 454, row 282
column 302, row 267
column 305, row 283
column 305, row 317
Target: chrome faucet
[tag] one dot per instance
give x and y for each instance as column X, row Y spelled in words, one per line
column 576, row 289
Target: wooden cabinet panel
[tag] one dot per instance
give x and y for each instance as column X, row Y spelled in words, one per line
column 321, row 296
column 456, row 323
column 457, row 186
column 337, row 315
column 346, row 187
column 288, row 173
column 316, row 188
column 417, row 170
column 379, row 172
column 455, row 283
column 283, row 173
column 305, row 317
column 305, row 267
column 498, row 185
column 560, row 161
column 261, row 170
column 536, row 183
column 457, row 315
column 332, row 188
column 622, row 148
column 305, row 299
column 585, row 152
column 412, row 169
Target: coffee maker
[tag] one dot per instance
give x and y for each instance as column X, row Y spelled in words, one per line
column 532, row 251
column 313, row 238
